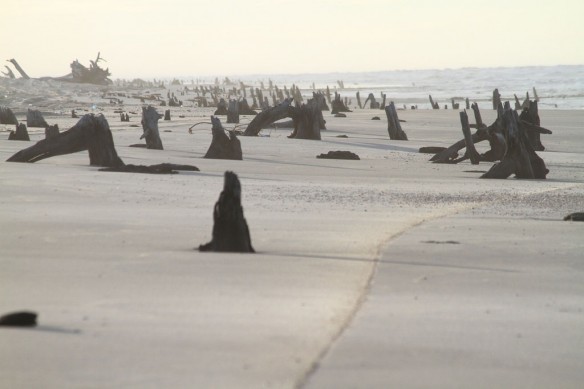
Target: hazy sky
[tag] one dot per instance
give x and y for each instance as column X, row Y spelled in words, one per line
column 156, row 38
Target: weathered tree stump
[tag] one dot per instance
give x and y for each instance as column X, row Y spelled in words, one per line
column 91, row 133
column 530, row 115
column 393, row 125
column 223, row 146
column 230, row 230
column 338, row 105
column 471, row 151
column 19, row 69
column 496, row 99
column 221, row 108
column 373, row 104
column 359, row 100
column 267, row 117
column 34, row 118
column 307, row 121
column 21, row 133
column 124, row 117
column 244, row 108
column 520, row 158
column 52, row 131
column 9, row 73
column 7, row 116
column 233, row 112
column 167, row 114
column 434, row 105
column 150, row 120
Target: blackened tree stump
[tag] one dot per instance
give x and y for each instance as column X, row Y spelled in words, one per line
column 34, row 118
column 393, row 125
column 221, row 108
column 520, row 158
column 471, row 151
column 223, row 146
column 91, row 133
column 19, row 319
column 230, row 230
column 167, row 115
column 21, row 133
column 52, row 131
column 150, row 120
column 373, row 104
column 307, row 121
column 245, row 109
column 7, row 116
column 233, row 112
column 338, row 105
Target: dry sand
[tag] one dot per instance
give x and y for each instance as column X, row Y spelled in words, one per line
column 384, row 272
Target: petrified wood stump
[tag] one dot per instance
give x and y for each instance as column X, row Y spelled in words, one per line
column 7, row 116
column 34, row 118
column 393, row 125
column 230, row 230
column 223, row 146
column 150, row 120
column 21, row 133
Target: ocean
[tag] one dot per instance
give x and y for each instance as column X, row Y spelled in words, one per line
column 558, row 87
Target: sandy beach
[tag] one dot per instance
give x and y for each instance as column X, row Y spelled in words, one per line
column 389, row 271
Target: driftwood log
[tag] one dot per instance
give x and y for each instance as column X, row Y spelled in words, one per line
column 230, row 230
column 91, row 133
column 267, row 117
column 339, row 154
column 7, row 116
column 34, row 118
column 21, row 133
column 223, row 146
column 19, row 319
column 150, row 120
column 520, row 158
column 393, row 125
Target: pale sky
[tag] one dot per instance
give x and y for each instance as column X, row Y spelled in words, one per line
column 166, row 38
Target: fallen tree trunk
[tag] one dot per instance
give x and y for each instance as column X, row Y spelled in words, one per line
column 223, row 146
column 393, row 125
column 230, row 230
column 267, row 117
column 91, row 133
column 150, row 120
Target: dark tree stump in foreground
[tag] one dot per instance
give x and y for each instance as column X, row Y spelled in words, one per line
column 393, row 125
column 223, row 146
column 34, row 118
column 267, row 117
column 230, row 230
column 19, row 319
column 91, row 133
column 520, row 158
column 233, row 112
column 150, row 120
column 7, row 116
column 339, row 155
column 21, row 133
column 52, row 131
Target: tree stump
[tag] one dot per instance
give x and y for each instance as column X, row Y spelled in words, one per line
column 244, row 108
column 531, row 115
column 233, row 112
column 7, row 116
column 338, row 105
column 221, row 108
column 393, row 125
column 51, row 131
column 21, row 133
column 34, row 118
column 520, row 158
column 19, row 319
column 267, row 117
column 373, row 104
column 150, row 127
column 91, row 133
column 307, row 121
column 471, row 151
column 496, row 99
column 230, row 230
column 359, row 100
column 167, row 114
column 434, row 105
column 339, row 154
column 223, row 146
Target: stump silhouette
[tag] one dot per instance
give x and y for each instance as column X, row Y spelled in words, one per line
column 223, row 146
column 230, row 230
column 150, row 127
column 21, row 133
